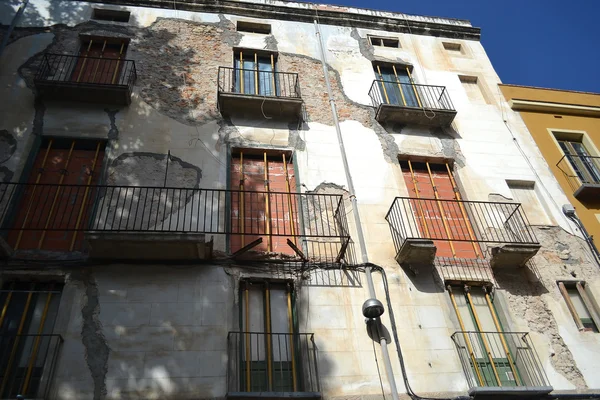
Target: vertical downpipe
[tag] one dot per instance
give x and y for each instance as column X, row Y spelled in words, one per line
column 355, row 213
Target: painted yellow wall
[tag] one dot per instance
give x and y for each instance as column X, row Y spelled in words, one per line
column 541, row 126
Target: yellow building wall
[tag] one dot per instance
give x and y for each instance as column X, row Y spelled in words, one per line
column 541, row 125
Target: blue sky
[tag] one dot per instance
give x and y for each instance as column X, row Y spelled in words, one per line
column 547, row 43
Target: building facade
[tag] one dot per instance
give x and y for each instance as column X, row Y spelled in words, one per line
column 199, row 198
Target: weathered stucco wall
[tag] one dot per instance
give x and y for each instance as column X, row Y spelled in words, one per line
column 158, row 331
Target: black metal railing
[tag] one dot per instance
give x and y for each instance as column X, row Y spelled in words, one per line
column 410, row 95
column 272, row 362
column 318, row 218
column 259, row 83
column 27, row 364
column 461, row 221
column 500, row 359
column 78, row 70
column 580, row 170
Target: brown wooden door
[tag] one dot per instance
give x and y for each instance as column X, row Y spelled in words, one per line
column 256, row 214
column 49, row 213
column 447, row 222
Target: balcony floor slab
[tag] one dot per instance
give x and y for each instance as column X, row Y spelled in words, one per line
column 513, row 255
column 588, row 192
column 416, row 253
column 252, row 106
column 515, row 392
column 148, row 246
column 414, row 115
column 272, row 395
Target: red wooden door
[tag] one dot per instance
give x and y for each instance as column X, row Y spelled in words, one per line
column 52, row 214
column 441, row 218
column 265, row 209
column 99, row 63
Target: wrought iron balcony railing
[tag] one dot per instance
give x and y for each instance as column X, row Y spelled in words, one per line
column 410, row 95
column 60, row 74
column 582, row 173
column 460, row 221
column 500, row 360
column 272, row 362
column 291, row 223
column 258, row 83
column 27, row 364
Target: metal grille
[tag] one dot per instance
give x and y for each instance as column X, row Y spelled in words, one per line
column 580, row 170
column 502, row 359
column 272, row 362
column 410, row 95
column 76, row 70
column 259, row 83
column 27, row 364
column 460, row 221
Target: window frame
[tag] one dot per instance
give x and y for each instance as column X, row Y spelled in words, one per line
column 383, row 39
column 572, row 136
column 587, row 301
column 253, row 27
column 109, row 15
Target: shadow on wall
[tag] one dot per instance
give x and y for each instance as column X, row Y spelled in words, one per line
column 167, row 331
column 55, row 13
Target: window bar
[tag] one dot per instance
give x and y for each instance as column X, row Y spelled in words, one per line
column 387, row 99
column 511, row 362
column 62, row 178
column 248, row 354
column 15, row 346
column 291, row 324
column 465, row 336
column 446, row 227
column 419, row 204
column 256, row 92
column 6, row 304
column 412, row 83
column 482, row 336
column 463, row 212
column 289, row 196
column 36, row 344
column 399, row 85
column 241, row 69
column 85, row 196
column 241, row 216
column 85, row 57
column 269, row 337
column 98, row 62
column 118, row 62
column 589, row 304
column 267, row 206
column 37, row 181
column 273, row 75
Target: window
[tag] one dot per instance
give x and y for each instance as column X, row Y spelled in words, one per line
column 473, row 89
column 524, row 192
column 27, row 345
column 253, row 27
column 452, row 46
column 268, row 323
column 384, row 42
column 581, row 305
column 255, row 73
column 100, row 61
column 396, row 85
column 103, row 14
column 585, row 165
column 484, row 345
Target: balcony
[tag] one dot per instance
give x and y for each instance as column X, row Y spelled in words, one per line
column 410, row 103
column 583, row 176
column 259, row 94
column 274, row 365
column 154, row 223
column 501, row 365
column 87, row 79
column 27, row 364
column 425, row 228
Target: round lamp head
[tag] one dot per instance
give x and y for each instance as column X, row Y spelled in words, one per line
column 372, row 308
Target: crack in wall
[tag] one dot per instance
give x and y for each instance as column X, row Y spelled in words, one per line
column 113, row 133
column 97, row 350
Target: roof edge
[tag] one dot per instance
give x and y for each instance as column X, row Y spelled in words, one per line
column 326, row 14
